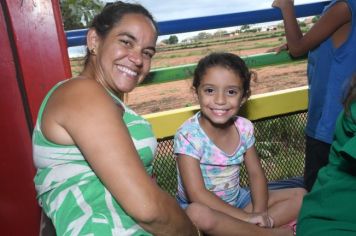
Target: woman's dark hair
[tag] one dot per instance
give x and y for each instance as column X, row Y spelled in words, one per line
column 112, row 14
column 226, row 60
column 350, row 95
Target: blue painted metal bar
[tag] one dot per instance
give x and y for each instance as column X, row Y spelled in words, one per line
column 235, row 19
column 77, row 37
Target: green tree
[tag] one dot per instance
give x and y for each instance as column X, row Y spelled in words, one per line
column 315, row 19
column 245, row 27
column 77, row 14
column 173, row 39
column 203, row 35
column 301, row 23
column 220, row 33
column 280, row 25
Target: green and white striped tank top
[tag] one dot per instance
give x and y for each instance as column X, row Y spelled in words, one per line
column 69, row 191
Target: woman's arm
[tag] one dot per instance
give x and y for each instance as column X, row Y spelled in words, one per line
column 258, row 181
column 85, row 114
column 332, row 20
column 189, row 169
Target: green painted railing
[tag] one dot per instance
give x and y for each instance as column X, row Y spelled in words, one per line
column 175, row 73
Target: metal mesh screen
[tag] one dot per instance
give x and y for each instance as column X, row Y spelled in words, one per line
column 164, row 166
column 280, row 144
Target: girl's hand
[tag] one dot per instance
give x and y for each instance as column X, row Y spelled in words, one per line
column 261, row 219
column 278, row 49
column 282, row 3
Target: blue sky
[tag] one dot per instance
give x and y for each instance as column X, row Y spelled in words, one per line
column 176, row 9
column 163, row 10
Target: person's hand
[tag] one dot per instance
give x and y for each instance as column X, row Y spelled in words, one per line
column 278, row 49
column 261, row 219
column 282, row 3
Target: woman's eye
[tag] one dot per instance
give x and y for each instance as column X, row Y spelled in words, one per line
column 125, row 42
column 148, row 54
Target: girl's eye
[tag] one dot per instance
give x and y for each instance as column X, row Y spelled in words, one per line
column 231, row 92
column 208, row 90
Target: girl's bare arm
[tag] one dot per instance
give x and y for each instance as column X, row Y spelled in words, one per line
column 257, row 179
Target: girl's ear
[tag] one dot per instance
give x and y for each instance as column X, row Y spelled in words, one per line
column 92, row 41
column 243, row 100
column 195, row 93
column 245, row 97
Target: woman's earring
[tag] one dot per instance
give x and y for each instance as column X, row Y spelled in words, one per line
column 92, row 51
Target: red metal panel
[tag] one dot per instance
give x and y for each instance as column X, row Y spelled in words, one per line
column 33, row 58
column 19, row 212
column 41, row 47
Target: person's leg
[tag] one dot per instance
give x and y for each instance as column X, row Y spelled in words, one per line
column 284, row 205
column 316, row 156
column 213, row 222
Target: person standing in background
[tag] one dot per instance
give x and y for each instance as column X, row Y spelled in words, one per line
column 331, row 62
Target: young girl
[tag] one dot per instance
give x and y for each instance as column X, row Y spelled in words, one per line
column 211, row 146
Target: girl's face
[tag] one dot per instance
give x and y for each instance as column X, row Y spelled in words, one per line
column 124, row 56
column 220, row 95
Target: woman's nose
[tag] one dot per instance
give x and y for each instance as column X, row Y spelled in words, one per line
column 136, row 57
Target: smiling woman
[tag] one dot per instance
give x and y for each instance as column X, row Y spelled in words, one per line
column 123, row 54
column 94, row 154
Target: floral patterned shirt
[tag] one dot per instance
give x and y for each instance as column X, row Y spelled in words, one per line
column 220, row 170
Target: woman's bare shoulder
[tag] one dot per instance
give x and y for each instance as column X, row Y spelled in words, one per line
column 80, row 91
column 80, row 97
column 77, row 102
column 81, row 85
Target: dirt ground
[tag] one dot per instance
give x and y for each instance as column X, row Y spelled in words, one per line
column 161, row 97
column 178, row 94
